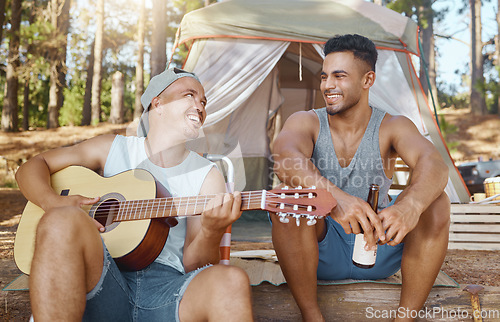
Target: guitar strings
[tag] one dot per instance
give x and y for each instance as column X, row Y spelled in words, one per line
column 170, row 204
column 151, row 205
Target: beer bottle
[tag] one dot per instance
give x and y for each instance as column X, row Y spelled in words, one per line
column 361, row 257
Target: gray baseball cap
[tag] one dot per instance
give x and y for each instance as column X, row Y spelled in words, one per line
column 158, row 84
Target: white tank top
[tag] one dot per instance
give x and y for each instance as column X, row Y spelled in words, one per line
column 182, row 180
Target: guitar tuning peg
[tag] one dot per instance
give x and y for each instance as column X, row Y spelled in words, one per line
column 313, row 187
column 310, row 195
column 299, row 187
column 283, row 218
column 309, row 208
column 282, row 196
column 282, row 206
column 297, row 219
column 285, row 188
column 295, row 207
column 296, row 195
column 311, row 220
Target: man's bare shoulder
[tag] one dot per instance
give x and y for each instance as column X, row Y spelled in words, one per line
column 395, row 123
column 303, row 120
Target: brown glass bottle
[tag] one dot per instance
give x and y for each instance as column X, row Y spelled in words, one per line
column 361, row 257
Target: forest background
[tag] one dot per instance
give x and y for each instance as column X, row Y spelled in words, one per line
column 74, row 62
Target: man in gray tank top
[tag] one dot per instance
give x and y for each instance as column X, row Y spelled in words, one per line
column 344, row 148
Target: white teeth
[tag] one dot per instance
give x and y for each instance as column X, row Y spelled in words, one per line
column 194, row 118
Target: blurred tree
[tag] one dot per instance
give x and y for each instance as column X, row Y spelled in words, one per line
column 139, row 67
column 87, row 107
column 2, row 17
column 26, row 92
column 10, row 103
column 59, row 18
column 497, row 53
column 159, row 38
column 477, row 98
column 117, row 90
column 97, row 76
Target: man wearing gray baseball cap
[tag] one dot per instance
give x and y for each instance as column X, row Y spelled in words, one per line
column 158, row 84
column 75, row 274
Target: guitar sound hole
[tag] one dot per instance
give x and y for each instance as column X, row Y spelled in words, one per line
column 106, row 211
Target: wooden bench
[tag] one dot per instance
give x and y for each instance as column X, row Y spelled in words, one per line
column 402, row 175
column 475, row 227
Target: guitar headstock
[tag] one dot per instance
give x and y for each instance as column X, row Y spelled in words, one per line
column 310, row 203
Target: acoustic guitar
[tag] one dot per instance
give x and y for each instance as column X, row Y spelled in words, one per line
column 136, row 221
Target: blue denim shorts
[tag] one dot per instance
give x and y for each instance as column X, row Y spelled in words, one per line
column 151, row 294
column 335, row 256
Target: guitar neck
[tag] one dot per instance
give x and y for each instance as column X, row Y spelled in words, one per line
column 180, row 206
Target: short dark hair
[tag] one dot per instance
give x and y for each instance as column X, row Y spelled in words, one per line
column 362, row 47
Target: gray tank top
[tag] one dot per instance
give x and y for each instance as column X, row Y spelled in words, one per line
column 365, row 168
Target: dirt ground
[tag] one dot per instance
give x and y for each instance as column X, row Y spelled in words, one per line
column 475, row 137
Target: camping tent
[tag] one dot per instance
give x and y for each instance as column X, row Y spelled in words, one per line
column 260, row 61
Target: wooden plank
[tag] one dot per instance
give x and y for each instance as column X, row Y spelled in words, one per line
column 475, row 218
column 495, row 238
column 473, row 246
column 472, row 208
column 478, row 228
column 360, row 302
column 398, row 186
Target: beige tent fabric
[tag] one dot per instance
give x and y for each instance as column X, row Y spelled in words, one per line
column 309, row 20
column 249, row 99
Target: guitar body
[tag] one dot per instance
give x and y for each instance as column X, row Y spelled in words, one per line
column 133, row 244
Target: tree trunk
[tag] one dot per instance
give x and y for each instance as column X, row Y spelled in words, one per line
column 87, row 107
column 10, row 108
column 477, row 100
column 497, row 51
column 139, row 67
column 97, row 77
column 159, row 38
column 26, row 105
column 117, row 89
column 59, row 18
column 26, row 94
column 2, row 17
column 428, row 55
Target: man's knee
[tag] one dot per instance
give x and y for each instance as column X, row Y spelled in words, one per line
column 438, row 214
column 61, row 222
column 234, row 276
column 230, row 280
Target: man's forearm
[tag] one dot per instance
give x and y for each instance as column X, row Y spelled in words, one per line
column 203, row 250
column 428, row 181
column 33, row 179
column 299, row 171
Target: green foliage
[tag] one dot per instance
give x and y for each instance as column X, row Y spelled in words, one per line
column 491, row 89
column 418, row 10
column 446, row 130
column 451, row 98
column 71, row 111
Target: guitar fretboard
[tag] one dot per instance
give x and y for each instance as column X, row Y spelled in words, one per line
column 180, row 206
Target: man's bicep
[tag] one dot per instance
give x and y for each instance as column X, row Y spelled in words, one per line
column 297, row 136
column 409, row 144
